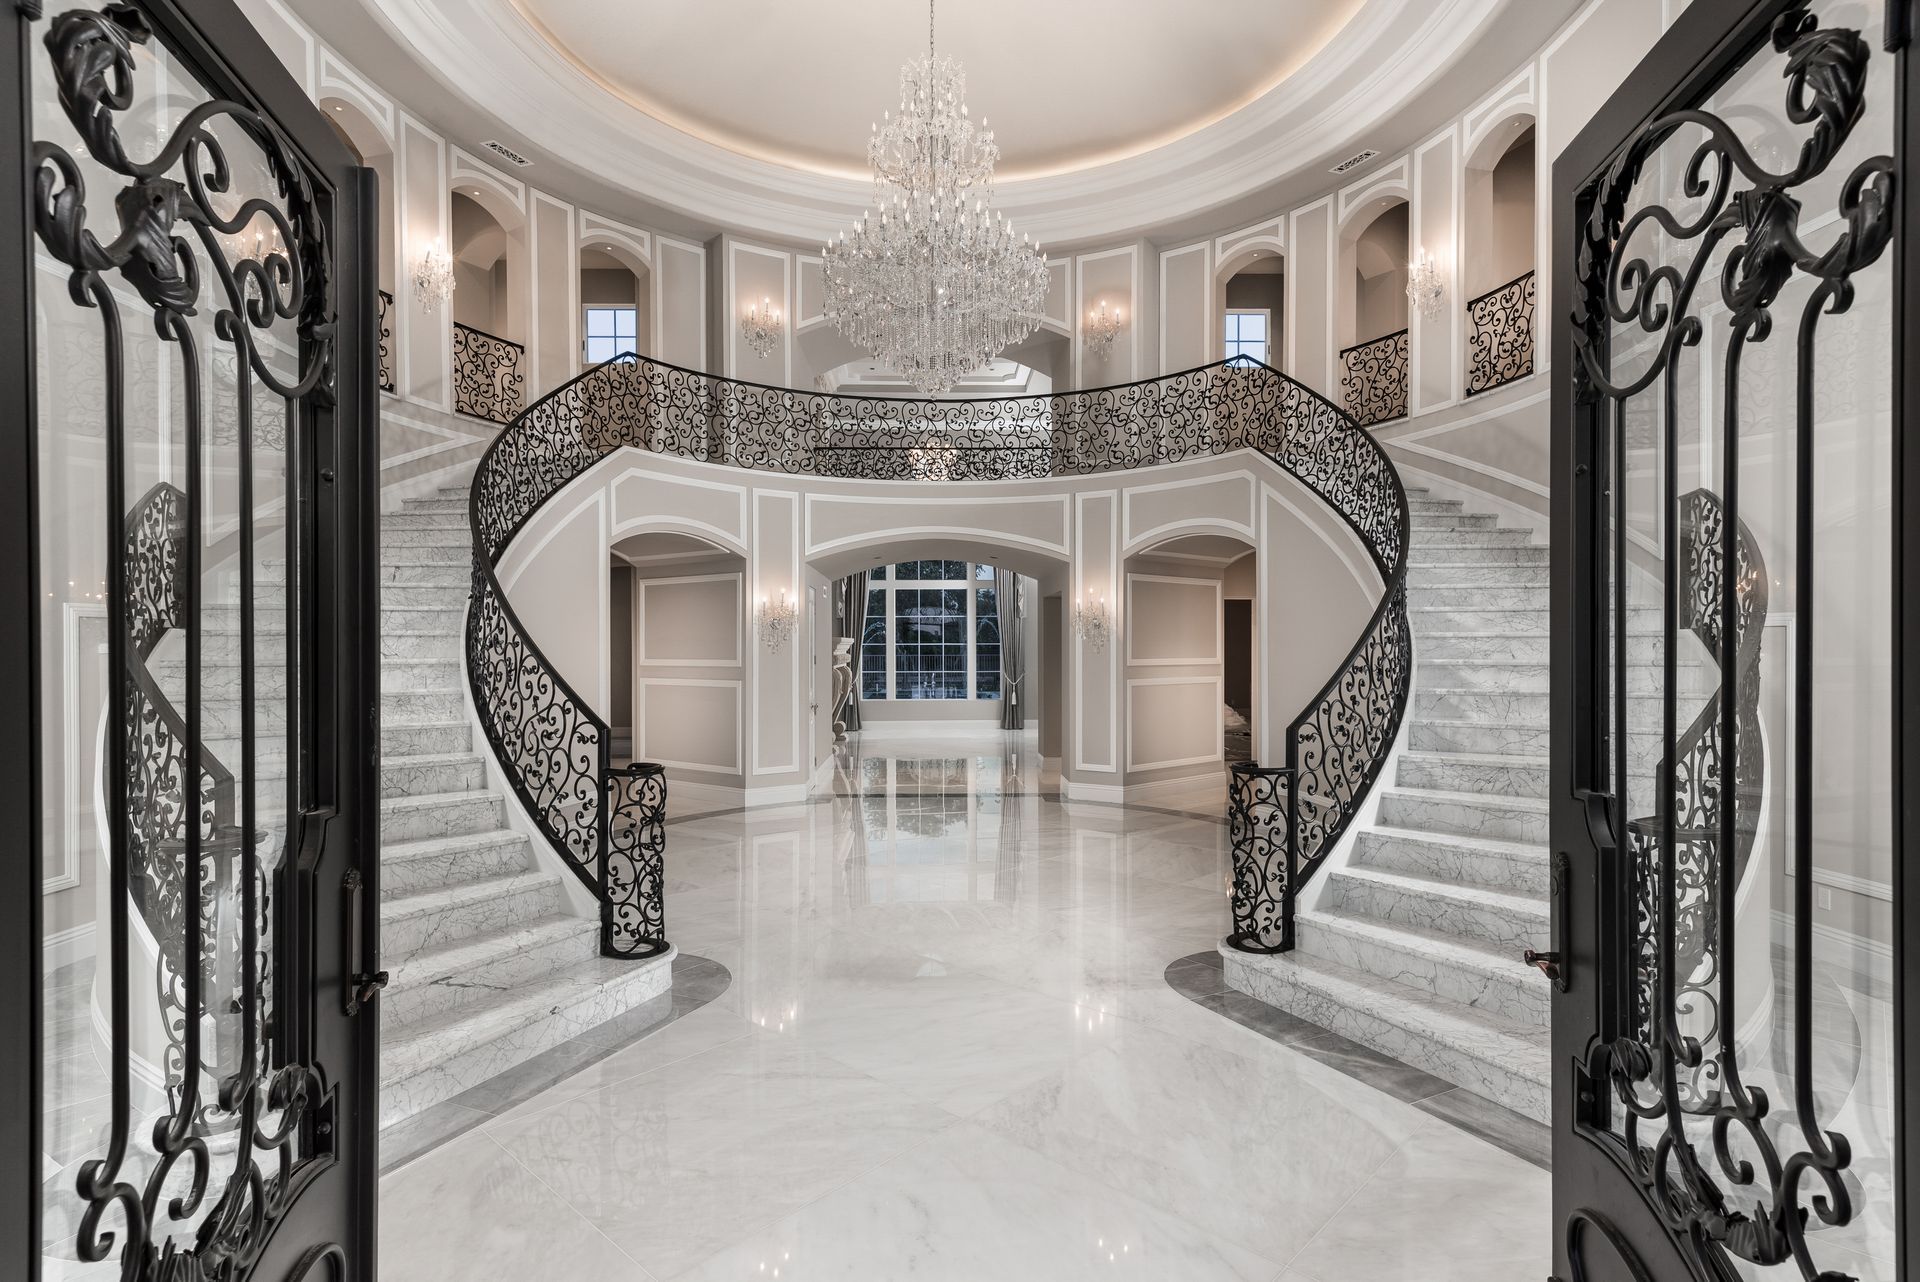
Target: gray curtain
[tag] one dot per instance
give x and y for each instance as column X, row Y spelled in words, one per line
column 850, row 617
column 1013, row 650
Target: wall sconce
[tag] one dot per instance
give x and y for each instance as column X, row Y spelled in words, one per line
column 433, row 277
column 1103, row 327
column 775, row 620
column 1090, row 621
column 760, row 326
column 1426, row 291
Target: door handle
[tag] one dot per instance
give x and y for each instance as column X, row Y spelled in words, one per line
column 362, row 985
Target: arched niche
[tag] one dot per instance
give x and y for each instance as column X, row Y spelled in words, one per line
column 490, row 263
column 1252, row 282
column 369, row 140
column 1499, row 191
column 614, row 273
column 1189, row 641
column 1371, row 285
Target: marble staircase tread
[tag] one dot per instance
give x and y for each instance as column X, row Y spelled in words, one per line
column 1431, row 810
column 409, row 867
column 1493, row 774
column 1503, row 1061
column 1452, row 968
column 1467, row 911
column 539, row 948
column 455, row 813
column 1504, row 865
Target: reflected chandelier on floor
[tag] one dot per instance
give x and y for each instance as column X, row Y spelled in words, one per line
column 931, row 280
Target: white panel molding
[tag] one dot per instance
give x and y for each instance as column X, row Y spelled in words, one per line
column 597, row 230
column 734, row 539
column 1270, row 236
column 1219, row 638
column 1219, row 752
column 1207, row 285
column 698, row 253
column 643, row 751
column 1394, row 180
column 758, row 568
column 1064, row 322
column 643, row 586
column 1514, row 99
column 1348, row 550
column 808, row 314
column 469, row 168
column 408, row 249
column 1132, row 254
column 1330, row 261
column 1135, row 538
column 983, row 533
column 1455, row 267
column 78, row 743
column 731, row 327
column 307, row 74
column 570, row 278
column 1081, row 649
column 336, row 79
column 65, row 947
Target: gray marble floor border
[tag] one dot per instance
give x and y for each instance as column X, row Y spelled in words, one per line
column 1201, row 978
column 696, row 981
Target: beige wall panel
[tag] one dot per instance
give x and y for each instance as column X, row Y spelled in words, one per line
column 1435, row 378
column 1038, row 524
column 1308, row 326
column 689, row 723
column 668, row 503
column 774, row 676
column 1108, row 277
column 1173, row 721
column 555, row 339
column 1172, row 621
column 1163, row 510
column 690, row 622
column 680, row 303
column 560, row 589
column 755, row 273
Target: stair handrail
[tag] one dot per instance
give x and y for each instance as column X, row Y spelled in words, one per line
column 556, row 751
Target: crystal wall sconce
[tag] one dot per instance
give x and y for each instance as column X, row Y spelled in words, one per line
column 1090, row 621
column 760, row 326
column 1426, row 291
column 775, row 620
column 433, row 277
column 1103, row 327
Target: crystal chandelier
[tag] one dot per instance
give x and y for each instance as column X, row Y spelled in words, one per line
column 931, row 280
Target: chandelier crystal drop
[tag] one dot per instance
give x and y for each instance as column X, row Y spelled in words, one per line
column 931, row 280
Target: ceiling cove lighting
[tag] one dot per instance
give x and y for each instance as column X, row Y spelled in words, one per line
column 930, row 279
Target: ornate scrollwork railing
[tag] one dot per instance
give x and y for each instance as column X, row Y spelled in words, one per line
column 387, row 380
column 556, row 751
column 1691, row 784
column 1500, row 335
column 488, row 379
column 1373, row 379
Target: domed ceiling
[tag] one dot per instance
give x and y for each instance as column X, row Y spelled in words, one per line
column 1065, row 84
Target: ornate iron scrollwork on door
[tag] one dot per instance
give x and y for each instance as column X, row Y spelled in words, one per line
column 1663, row 1096
column 199, row 1192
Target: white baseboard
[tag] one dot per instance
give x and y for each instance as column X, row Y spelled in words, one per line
column 1111, row 794
column 1142, row 794
column 713, row 796
column 66, row 947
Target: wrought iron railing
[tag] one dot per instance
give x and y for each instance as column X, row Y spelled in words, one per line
column 488, row 379
column 1373, row 379
column 387, row 381
column 555, row 750
column 1690, row 783
column 1500, row 335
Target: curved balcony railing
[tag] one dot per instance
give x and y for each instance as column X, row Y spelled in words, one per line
column 555, row 750
column 1500, row 335
column 1373, row 379
column 489, row 379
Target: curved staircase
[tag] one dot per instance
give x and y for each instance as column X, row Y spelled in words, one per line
column 1414, row 944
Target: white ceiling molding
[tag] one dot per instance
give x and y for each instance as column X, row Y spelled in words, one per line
column 489, row 54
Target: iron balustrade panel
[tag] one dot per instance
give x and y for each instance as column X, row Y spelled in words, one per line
column 387, row 377
column 1258, row 800
column 633, row 906
column 488, row 379
column 1500, row 335
column 1373, row 379
column 554, row 749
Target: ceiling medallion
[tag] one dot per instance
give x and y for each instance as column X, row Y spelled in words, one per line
column 931, row 280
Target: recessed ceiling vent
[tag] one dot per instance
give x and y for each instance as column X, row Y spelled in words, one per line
column 513, row 157
column 1349, row 163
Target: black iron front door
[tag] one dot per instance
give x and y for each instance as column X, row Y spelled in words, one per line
column 188, row 652
column 1727, row 379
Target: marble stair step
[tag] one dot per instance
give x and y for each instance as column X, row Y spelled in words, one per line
column 425, row 738
column 436, row 773
column 1477, row 596
column 1429, row 619
column 222, row 680
column 437, row 983
column 429, row 597
column 423, row 705
column 1417, row 504
column 439, row 503
column 417, row 520
column 410, row 867
column 429, row 646
column 1424, row 521
column 415, row 538
column 1466, row 814
column 1433, row 540
column 1478, row 978
column 1527, row 707
column 1496, row 1059
column 1439, row 734
column 394, row 555
column 409, row 613
column 410, row 924
column 1477, row 772
column 1421, row 554
column 462, row 491
column 1537, row 678
column 1468, row 574
column 1458, row 859
column 439, row 1059
column 449, row 568
column 1476, row 913
column 402, row 674
column 439, row 814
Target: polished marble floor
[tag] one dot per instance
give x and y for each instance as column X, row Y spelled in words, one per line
column 950, row 1050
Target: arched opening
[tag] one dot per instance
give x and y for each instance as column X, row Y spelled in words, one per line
column 1370, row 313
column 615, row 302
column 1190, row 647
column 369, row 141
column 492, row 301
column 1252, row 305
column 1499, row 272
column 678, row 649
